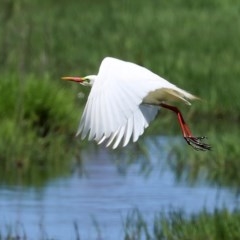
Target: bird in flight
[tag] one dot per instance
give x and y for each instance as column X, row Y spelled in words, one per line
column 124, row 99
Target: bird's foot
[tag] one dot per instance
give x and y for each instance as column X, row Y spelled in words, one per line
column 197, row 144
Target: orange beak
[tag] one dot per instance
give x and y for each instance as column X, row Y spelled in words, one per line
column 74, row 79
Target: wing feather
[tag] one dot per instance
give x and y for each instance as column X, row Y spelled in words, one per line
column 112, row 137
column 128, row 131
column 119, row 137
column 85, row 120
column 98, row 125
column 93, row 117
column 113, row 112
column 108, row 121
column 136, row 125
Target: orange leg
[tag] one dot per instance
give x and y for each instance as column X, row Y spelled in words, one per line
column 195, row 142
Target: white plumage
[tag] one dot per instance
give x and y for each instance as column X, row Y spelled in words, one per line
column 113, row 111
column 124, row 99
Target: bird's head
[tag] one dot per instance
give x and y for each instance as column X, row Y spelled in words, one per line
column 85, row 81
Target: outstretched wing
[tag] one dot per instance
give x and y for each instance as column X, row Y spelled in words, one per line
column 134, row 126
column 113, row 112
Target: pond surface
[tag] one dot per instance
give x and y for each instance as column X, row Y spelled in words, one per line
column 98, row 201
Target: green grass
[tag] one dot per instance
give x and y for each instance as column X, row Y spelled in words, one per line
column 38, row 123
column 219, row 167
column 195, row 45
column 221, row 224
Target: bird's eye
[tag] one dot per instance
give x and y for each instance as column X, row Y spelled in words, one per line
column 86, row 82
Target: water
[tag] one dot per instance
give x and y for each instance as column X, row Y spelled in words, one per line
column 99, row 201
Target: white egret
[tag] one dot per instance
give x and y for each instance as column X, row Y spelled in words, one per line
column 124, row 99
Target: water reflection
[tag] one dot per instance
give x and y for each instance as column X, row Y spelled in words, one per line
column 101, row 194
column 219, row 167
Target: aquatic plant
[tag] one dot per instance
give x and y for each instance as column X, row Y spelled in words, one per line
column 219, row 167
column 37, row 128
column 221, row 224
